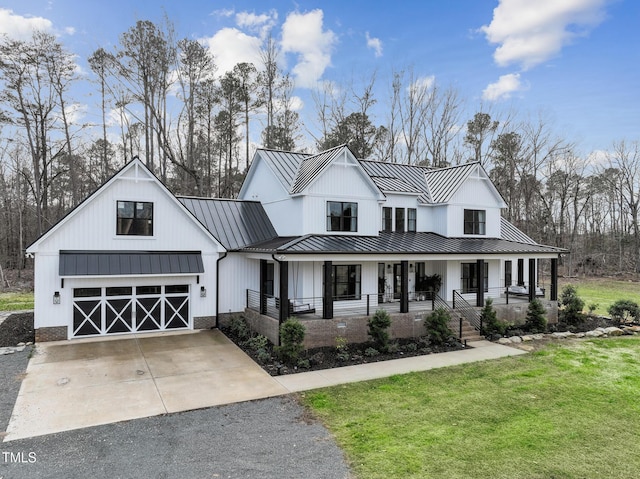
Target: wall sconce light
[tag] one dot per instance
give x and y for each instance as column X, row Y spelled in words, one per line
column 203, row 292
column 411, row 267
column 389, row 267
column 56, row 297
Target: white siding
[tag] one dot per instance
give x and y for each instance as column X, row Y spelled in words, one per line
column 237, row 274
column 476, row 194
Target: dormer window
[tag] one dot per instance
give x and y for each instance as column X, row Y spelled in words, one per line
column 342, row 216
column 475, row 222
column 134, row 218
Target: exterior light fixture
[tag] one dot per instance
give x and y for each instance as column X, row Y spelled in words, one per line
column 56, row 297
column 203, row 292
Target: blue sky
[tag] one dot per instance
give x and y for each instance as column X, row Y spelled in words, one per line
column 577, row 61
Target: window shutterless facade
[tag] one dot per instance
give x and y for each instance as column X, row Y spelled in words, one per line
column 475, row 222
column 469, row 277
column 134, row 218
column 387, row 220
column 342, row 216
column 412, row 216
column 346, row 282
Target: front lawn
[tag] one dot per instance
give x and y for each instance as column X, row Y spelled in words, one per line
column 570, row 410
column 16, row 301
column 603, row 292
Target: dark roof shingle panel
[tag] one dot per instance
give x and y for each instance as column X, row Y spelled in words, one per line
column 444, row 182
column 118, row 263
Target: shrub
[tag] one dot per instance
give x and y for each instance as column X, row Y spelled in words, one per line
column 624, row 310
column 491, row 325
column 379, row 325
column 239, row 328
column 572, row 306
column 437, row 326
column 536, row 321
column 342, row 349
column 291, row 338
column 259, row 344
column 371, row 352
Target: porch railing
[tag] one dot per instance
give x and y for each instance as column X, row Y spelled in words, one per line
column 469, row 312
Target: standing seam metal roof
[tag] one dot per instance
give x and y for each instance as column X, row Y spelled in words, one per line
column 235, row 223
column 312, row 167
column 410, row 176
column 284, row 164
column 444, row 182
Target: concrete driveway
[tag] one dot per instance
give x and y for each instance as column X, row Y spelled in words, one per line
column 89, row 382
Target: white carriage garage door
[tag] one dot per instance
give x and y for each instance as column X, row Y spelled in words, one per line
column 130, row 309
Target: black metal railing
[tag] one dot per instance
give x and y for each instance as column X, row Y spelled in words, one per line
column 268, row 305
column 469, row 312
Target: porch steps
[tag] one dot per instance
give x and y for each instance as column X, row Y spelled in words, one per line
column 469, row 333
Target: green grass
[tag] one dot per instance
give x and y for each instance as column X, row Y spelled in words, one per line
column 570, row 411
column 16, row 301
column 603, row 291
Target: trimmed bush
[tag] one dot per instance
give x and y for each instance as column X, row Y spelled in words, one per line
column 536, row 321
column 437, row 326
column 491, row 325
column 291, row 339
column 378, row 330
column 624, row 310
column 572, row 306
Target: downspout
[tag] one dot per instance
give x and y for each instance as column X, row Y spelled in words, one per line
column 273, row 256
column 220, row 258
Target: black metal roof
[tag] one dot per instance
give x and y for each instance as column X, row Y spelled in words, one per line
column 116, row 263
column 401, row 243
column 235, row 223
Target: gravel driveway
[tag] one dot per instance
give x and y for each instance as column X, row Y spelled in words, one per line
column 269, row 438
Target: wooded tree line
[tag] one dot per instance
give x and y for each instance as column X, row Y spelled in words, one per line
column 162, row 99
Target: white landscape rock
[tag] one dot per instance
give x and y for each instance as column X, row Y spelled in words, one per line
column 594, row 334
column 504, row 341
column 613, row 331
column 515, row 339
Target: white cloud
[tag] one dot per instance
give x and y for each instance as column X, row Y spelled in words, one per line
column 19, row 27
column 375, row 44
column 302, row 34
column 223, row 12
column 422, row 84
column 262, row 23
column 231, row 46
column 531, row 32
column 503, row 88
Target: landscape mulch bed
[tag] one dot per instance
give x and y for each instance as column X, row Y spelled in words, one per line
column 17, row 328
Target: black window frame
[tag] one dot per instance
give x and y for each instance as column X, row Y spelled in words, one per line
column 387, row 219
column 475, row 222
column 468, row 282
column 412, row 223
column 399, row 220
column 508, row 272
column 347, row 220
column 134, row 225
column 347, row 277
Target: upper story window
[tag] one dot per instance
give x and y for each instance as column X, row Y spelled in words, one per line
column 135, row 218
column 400, row 220
column 475, row 222
column 387, row 221
column 412, row 216
column 342, row 216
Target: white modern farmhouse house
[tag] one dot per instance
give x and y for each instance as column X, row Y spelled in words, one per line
column 327, row 237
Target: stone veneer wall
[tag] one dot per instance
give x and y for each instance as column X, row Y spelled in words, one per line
column 56, row 333
column 204, row 322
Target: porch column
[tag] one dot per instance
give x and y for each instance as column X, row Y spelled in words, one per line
column 327, row 293
column 284, row 291
column 532, row 279
column 263, row 280
column 554, row 280
column 480, row 282
column 404, row 286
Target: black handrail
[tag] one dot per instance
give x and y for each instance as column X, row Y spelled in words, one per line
column 468, row 311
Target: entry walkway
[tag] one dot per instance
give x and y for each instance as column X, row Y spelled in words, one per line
column 83, row 383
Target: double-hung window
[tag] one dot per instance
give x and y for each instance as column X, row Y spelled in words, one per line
column 412, row 219
column 387, row 220
column 400, row 220
column 346, row 282
column 342, row 216
column 475, row 222
column 469, row 277
column 134, row 218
